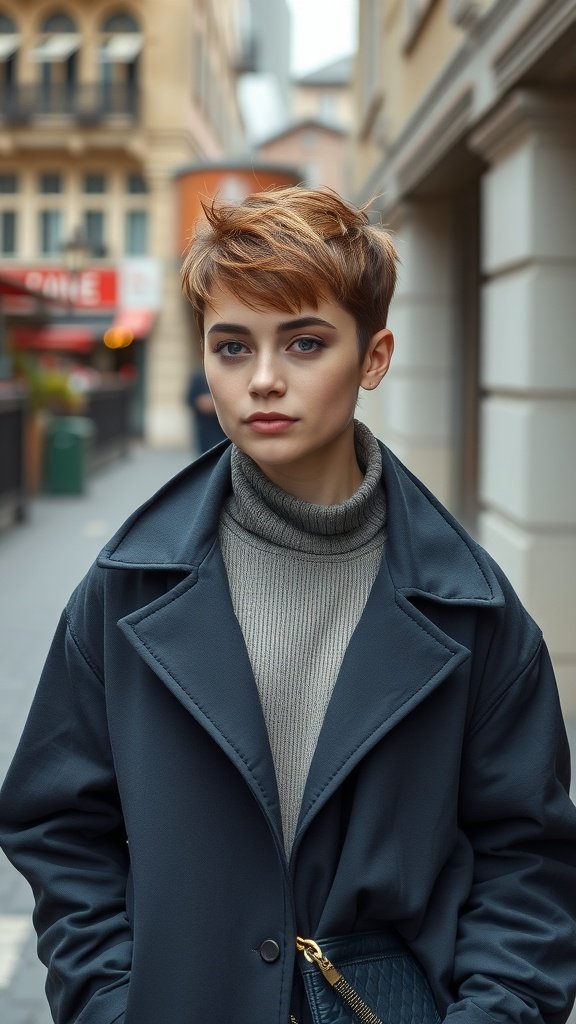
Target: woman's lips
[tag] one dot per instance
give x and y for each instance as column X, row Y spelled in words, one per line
column 269, row 423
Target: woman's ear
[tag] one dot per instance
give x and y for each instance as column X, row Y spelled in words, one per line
column 377, row 359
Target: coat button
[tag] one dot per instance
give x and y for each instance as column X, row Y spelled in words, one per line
column 269, row 951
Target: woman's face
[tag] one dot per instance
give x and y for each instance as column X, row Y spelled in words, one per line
column 285, row 386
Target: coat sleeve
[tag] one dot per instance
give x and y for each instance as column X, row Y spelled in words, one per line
column 516, row 947
column 61, row 825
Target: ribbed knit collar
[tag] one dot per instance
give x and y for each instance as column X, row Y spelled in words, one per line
column 271, row 514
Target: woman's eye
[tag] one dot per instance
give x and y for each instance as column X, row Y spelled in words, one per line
column 231, row 348
column 307, row 344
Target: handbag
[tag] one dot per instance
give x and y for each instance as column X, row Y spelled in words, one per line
column 370, row 977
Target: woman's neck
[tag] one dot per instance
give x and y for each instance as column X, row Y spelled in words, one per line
column 326, row 491
column 274, row 515
column 327, row 476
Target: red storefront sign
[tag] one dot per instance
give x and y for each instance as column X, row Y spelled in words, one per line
column 90, row 290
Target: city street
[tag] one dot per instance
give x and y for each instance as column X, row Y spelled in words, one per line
column 40, row 563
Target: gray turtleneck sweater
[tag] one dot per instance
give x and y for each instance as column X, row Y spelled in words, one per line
column 299, row 577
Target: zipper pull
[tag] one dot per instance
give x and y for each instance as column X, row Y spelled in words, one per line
column 314, row 955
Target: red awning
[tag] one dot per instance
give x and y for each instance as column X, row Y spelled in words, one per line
column 13, row 287
column 138, row 321
column 55, row 338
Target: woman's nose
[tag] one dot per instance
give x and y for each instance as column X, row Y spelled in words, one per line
column 267, row 378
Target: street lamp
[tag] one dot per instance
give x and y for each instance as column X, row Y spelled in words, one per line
column 76, row 253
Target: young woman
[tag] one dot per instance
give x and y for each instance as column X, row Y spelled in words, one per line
column 294, row 716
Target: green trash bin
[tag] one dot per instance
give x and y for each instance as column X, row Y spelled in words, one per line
column 66, row 449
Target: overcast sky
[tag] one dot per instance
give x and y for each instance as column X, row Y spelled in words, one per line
column 322, row 30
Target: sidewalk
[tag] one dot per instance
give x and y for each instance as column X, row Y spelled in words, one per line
column 40, row 563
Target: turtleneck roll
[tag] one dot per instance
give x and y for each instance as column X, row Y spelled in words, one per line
column 299, row 577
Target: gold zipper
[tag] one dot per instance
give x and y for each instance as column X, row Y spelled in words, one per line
column 314, row 955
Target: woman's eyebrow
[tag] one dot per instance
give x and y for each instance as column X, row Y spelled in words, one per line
column 287, row 325
column 227, row 329
column 305, row 321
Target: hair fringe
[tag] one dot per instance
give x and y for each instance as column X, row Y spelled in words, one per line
column 289, row 247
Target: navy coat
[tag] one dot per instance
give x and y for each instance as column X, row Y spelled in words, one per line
column 142, row 803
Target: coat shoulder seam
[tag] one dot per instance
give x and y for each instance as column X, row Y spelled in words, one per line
column 534, row 654
column 473, row 548
column 81, row 650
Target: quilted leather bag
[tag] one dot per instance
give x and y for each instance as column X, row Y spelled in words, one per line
column 375, row 980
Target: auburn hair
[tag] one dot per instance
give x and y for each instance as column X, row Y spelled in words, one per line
column 285, row 248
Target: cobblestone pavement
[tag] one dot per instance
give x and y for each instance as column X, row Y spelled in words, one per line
column 40, row 563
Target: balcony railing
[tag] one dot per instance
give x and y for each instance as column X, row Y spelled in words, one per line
column 86, row 103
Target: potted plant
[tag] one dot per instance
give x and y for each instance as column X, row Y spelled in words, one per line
column 50, row 392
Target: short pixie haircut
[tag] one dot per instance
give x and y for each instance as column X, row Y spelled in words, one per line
column 286, row 248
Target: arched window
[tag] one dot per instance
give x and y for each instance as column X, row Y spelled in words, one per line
column 56, row 53
column 7, row 26
column 119, row 51
column 120, row 22
column 59, row 22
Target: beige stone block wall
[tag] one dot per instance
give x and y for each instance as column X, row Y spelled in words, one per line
column 432, row 48
column 528, row 416
column 413, row 409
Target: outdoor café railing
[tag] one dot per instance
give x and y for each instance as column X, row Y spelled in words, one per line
column 12, row 441
column 109, row 409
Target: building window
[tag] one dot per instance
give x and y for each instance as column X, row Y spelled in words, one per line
column 7, row 26
column 50, row 183
column 50, row 232
column 9, row 44
column 94, row 231
column 121, row 43
column 7, row 232
column 120, row 22
column 56, row 53
column 8, row 184
column 136, row 184
column 136, row 241
column 59, row 22
column 328, row 106
column 94, row 184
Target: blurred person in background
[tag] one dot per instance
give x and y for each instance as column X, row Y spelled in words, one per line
column 207, row 431
column 297, row 752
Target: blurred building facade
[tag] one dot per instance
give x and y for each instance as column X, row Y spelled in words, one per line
column 264, row 67
column 316, row 135
column 318, row 149
column 325, row 94
column 465, row 114
column 100, row 103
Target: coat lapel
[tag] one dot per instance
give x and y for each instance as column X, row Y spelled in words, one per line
column 395, row 658
column 191, row 639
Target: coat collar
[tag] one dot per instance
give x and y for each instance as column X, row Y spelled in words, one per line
column 191, row 639
column 428, row 553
